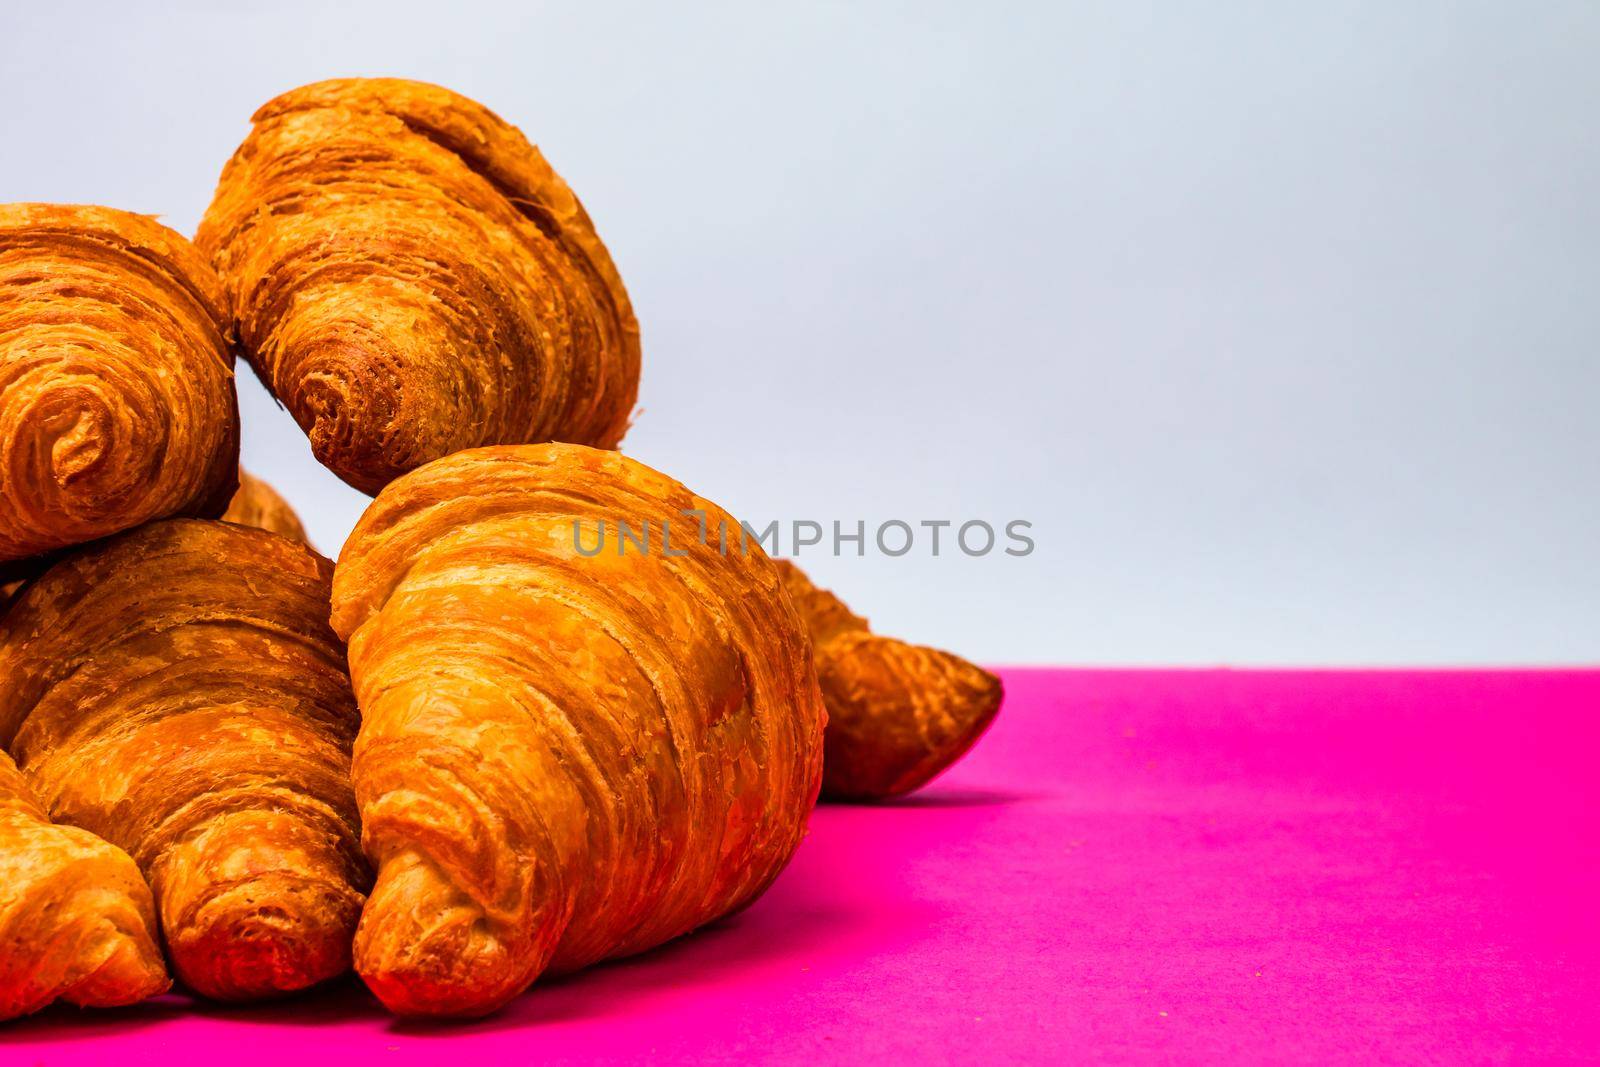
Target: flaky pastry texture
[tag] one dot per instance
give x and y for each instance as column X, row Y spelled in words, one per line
column 116, row 379
column 177, row 691
column 258, row 504
column 410, row 278
column 76, row 920
column 563, row 757
column 898, row 714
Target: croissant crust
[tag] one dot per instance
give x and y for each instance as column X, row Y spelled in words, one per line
column 563, row 757
column 117, row 403
column 258, row 504
column 176, row 690
column 898, row 714
column 76, row 920
column 410, row 278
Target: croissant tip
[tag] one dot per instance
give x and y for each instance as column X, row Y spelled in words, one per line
column 426, row 950
column 405, row 995
column 900, row 715
column 242, row 950
column 133, row 971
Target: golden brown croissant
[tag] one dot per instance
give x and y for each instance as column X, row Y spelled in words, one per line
column 898, row 714
column 258, row 504
column 410, row 278
column 562, row 757
column 76, row 921
column 177, row 691
column 116, row 379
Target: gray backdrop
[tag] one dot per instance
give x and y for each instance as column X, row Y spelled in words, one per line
column 1278, row 322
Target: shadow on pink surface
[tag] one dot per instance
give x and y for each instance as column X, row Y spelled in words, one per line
column 1133, row 865
column 712, row 955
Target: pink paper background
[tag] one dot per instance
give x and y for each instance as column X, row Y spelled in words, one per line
column 1134, row 865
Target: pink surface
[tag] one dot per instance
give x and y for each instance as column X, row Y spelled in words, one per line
column 1133, row 865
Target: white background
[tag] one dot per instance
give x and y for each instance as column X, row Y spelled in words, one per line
column 1279, row 322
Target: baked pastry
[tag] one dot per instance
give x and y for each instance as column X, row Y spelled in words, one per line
column 410, row 278
column 176, row 690
column 258, row 504
column 76, row 921
column 898, row 714
column 563, row 757
column 116, row 380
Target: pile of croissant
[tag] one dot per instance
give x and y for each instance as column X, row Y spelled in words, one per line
column 466, row 754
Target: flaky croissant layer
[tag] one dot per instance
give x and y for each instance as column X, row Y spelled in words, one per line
column 898, row 714
column 76, row 918
column 116, row 379
column 258, row 504
column 177, row 691
column 410, row 278
column 563, row 757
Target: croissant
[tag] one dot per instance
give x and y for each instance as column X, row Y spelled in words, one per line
column 410, row 278
column 898, row 714
column 176, row 690
column 563, row 756
column 117, row 403
column 258, row 504
column 76, row 921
